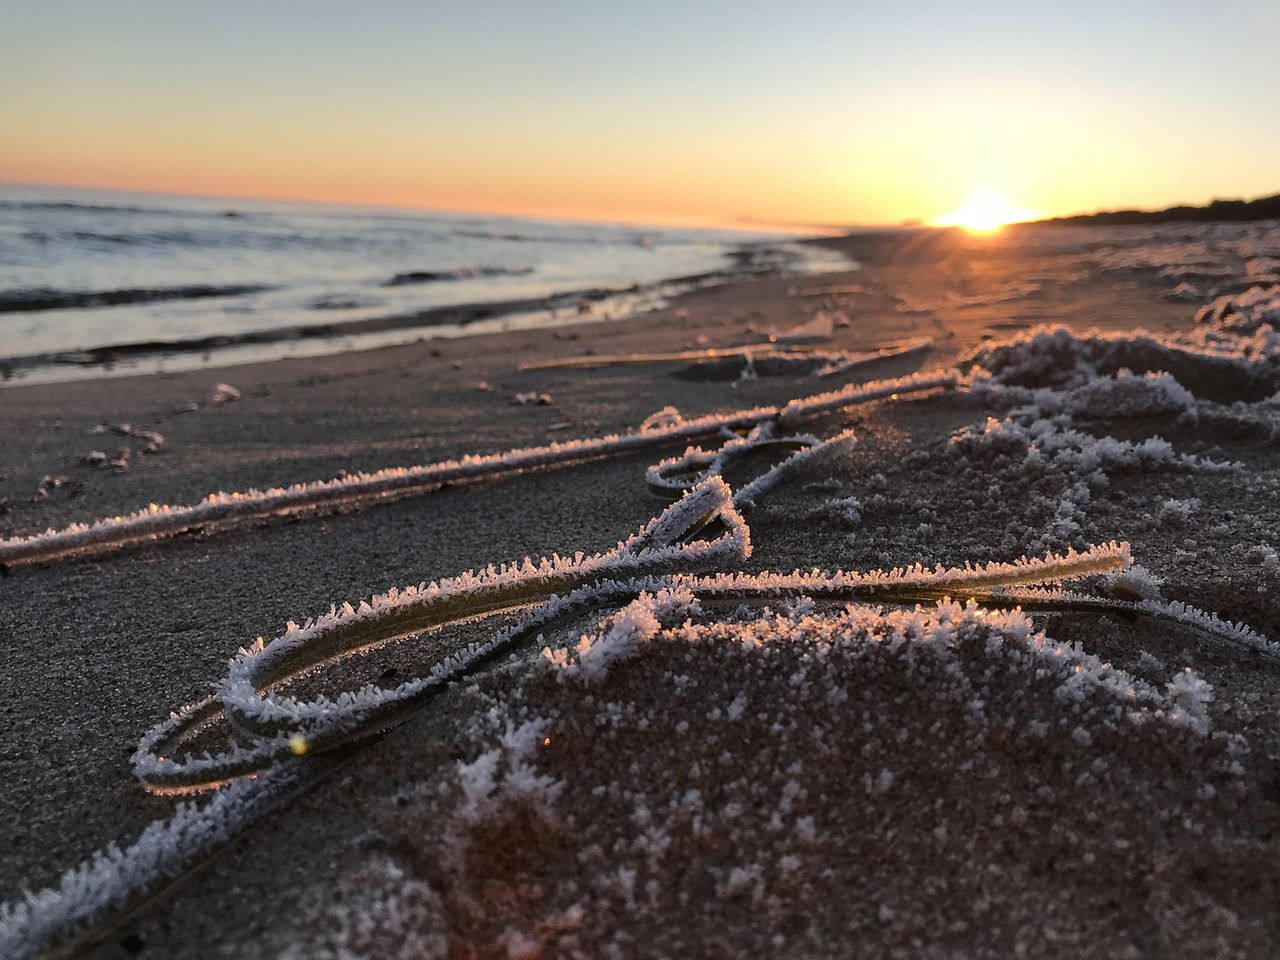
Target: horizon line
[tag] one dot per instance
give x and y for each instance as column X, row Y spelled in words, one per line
column 740, row 222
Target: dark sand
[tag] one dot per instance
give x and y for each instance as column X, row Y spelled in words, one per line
column 97, row 651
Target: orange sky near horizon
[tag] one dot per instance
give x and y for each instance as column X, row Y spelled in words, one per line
column 601, row 117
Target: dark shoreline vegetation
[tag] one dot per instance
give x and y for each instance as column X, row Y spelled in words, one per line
column 1218, row 211
column 750, row 260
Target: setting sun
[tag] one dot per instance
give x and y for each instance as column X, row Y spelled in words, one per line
column 985, row 212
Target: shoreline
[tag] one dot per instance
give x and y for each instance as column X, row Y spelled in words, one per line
column 454, row 320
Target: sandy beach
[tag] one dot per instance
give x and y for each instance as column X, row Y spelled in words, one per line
column 781, row 778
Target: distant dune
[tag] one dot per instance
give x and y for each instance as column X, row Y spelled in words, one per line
column 1218, row 211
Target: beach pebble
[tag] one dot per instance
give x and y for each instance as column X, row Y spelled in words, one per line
column 532, row 398
column 224, row 393
column 49, row 483
column 94, row 458
column 153, row 442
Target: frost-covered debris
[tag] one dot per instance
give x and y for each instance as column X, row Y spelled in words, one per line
column 532, row 398
column 157, row 521
column 1135, row 583
column 848, row 509
column 637, row 623
column 911, row 759
column 1063, row 467
column 750, row 493
column 1050, row 378
column 1177, row 512
column 663, row 419
column 1126, row 395
column 1229, row 368
column 49, row 483
column 1122, row 395
column 1245, row 312
column 1186, row 293
column 224, row 393
column 153, row 441
column 1268, row 557
column 1075, row 453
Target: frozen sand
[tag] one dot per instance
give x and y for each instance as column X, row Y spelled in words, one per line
column 143, row 631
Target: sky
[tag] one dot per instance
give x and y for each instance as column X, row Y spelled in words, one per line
column 678, row 112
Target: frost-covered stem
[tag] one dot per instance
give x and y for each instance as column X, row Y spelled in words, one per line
column 281, row 726
column 849, row 362
column 1173, row 611
column 638, row 359
column 673, row 476
column 155, row 521
column 812, row 406
column 272, row 721
column 116, row 880
column 837, row 362
column 1071, row 566
column 745, row 499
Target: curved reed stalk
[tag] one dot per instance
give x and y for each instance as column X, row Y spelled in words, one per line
column 281, row 727
column 1172, row 611
column 672, row 476
column 156, row 522
column 276, row 723
column 747, row 351
column 832, row 362
column 854, row 361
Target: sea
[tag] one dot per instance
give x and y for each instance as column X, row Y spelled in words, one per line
column 96, row 283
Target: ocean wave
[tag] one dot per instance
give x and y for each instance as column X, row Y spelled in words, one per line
column 612, row 237
column 26, row 301
column 341, row 302
column 461, row 273
column 68, row 205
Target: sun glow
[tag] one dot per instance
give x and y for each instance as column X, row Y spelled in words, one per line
column 985, row 212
